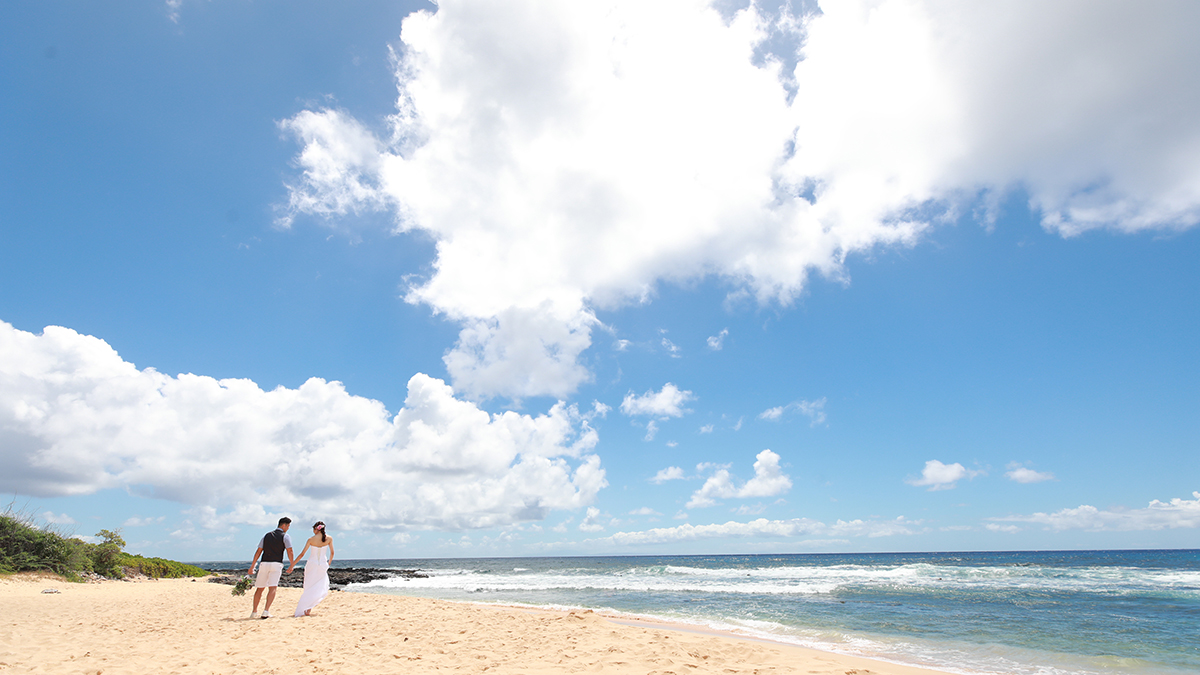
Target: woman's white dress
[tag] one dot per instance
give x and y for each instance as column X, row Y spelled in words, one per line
column 316, row 580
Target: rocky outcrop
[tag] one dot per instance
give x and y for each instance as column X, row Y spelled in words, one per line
column 339, row 577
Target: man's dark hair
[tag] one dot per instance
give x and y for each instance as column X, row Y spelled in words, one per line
column 284, row 520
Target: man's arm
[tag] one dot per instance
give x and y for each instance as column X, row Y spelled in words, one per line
column 291, row 558
column 252, row 562
column 302, row 552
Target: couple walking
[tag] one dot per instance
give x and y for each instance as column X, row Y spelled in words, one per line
column 316, row 572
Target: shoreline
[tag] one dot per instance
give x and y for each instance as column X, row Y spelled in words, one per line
column 699, row 629
column 191, row 625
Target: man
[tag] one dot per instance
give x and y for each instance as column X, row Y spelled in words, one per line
column 271, row 548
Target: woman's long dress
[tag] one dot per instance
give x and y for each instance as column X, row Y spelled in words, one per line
column 316, row 580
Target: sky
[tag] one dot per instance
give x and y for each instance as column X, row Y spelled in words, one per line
column 483, row 278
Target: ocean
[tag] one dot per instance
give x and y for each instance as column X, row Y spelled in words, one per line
column 1044, row 613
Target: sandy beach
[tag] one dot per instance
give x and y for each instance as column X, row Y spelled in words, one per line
column 185, row 626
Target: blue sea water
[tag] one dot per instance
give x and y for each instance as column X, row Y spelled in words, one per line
column 1051, row 613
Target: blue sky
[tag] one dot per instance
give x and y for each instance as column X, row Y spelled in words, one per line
column 649, row 279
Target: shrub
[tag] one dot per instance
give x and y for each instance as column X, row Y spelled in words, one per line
column 160, row 568
column 27, row 547
column 106, row 556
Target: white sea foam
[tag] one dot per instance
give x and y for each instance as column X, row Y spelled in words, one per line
column 803, row 580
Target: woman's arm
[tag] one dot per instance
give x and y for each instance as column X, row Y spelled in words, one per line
column 331, row 549
column 298, row 558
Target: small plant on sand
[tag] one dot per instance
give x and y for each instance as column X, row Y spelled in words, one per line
column 244, row 584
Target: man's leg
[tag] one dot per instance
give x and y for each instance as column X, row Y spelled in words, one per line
column 270, row 598
column 257, row 596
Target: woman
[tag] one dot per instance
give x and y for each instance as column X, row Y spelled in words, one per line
column 316, row 570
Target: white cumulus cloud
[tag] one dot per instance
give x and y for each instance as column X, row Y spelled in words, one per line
column 667, row 402
column 771, row 413
column 939, row 476
column 58, row 518
column 571, row 156
column 76, row 418
column 137, row 521
column 591, row 522
column 669, row 473
column 1022, row 474
column 598, row 410
column 521, row 352
column 769, row 480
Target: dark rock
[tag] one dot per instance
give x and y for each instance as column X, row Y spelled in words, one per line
column 339, row 577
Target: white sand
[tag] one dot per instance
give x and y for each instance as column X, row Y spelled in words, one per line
column 185, row 626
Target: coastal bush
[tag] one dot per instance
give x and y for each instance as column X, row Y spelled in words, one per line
column 26, row 546
column 107, row 555
column 160, row 568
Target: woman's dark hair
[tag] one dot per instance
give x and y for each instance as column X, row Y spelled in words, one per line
column 320, row 526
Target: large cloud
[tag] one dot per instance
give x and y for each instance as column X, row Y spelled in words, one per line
column 569, row 156
column 76, row 418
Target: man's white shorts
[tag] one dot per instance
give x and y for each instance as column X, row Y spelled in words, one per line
column 268, row 574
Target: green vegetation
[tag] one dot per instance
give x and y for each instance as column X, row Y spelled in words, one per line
column 25, row 546
column 159, row 568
